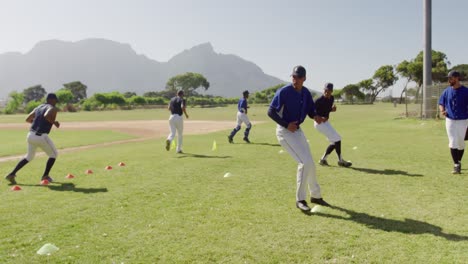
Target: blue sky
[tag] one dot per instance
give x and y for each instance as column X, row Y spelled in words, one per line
column 339, row 41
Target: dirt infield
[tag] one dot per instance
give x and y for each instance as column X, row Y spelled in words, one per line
column 142, row 129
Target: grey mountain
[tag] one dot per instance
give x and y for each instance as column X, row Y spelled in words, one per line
column 105, row 66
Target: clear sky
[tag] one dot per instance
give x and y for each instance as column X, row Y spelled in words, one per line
column 339, row 41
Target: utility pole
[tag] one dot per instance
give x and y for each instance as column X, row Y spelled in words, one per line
column 427, row 69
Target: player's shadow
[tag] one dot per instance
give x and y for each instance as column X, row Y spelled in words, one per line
column 386, row 172
column 192, row 155
column 67, row 187
column 408, row 226
column 265, row 144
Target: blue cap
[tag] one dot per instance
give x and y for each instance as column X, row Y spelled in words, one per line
column 453, row 74
column 328, row 86
column 299, row 71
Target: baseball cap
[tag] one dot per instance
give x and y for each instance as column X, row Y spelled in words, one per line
column 51, row 96
column 245, row 92
column 328, row 86
column 453, row 74
column 180, row 92
column 299, row 71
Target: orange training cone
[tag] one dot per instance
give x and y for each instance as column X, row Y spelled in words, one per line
column 121, row 164
column 16, row 188
column 108, row 168
column 69, row 176
column 89, row 172
column 44, row 182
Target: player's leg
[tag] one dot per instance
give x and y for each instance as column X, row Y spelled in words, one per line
column 172, row 127
column 29, row 156
column 451, row 128
column 236, row 129
column 180, row 131
column 246, row 120
column 296, row 145
column 49, row 148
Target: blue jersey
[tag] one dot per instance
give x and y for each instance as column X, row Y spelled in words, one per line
column 242, row 105
column 455, row 102
column 40, row 124
column 292, row 105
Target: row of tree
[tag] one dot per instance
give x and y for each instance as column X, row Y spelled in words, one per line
column 412, row 71
column 73, row 96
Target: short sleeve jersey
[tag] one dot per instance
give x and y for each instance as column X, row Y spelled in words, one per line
column 324, row 106
column 455, row 102
column 242, row 105
column 40, row 124
column 292, row 105
column 176, row 104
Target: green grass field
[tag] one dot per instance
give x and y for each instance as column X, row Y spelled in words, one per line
column 399, row 203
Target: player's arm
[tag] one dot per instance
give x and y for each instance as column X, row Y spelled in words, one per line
column 50, row 115
column 313, row 113
column 442, row 104
column 184, row 109
column 31, row 116
column 442, row 110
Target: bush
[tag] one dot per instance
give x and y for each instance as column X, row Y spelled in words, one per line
column 31, row 105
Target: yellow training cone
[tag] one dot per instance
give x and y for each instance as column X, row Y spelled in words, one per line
column 214, row 146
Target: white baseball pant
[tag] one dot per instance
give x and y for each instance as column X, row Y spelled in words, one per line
column 44, row 142
column 327, row 129
column 242, row 118
column 176, row 124
column 296, row 145
column 456, row 130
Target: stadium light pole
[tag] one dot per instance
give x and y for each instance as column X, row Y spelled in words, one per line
column 427, row 69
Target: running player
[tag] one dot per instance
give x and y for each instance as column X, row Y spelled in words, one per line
column 324, row 105
column 453, row 104
column 42, row 118
column 289, row 108
column 176, row 121
column 242, row 118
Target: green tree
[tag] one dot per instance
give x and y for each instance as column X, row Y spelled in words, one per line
column 34, row 93
column 352, row 92
column 413, row 70
column 368, row 88
column 64, row 96
column 77, row 89
column 188, row 82
column 129, row 94
column 16, row 100
column 383, row 78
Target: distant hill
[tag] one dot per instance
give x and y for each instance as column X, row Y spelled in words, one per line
column 105, row 65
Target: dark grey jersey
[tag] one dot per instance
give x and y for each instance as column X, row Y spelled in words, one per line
column 176, row 104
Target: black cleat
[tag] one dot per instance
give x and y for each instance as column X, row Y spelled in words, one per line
column 11, row 178
column 168, row 144
column 180, row 152
column 456, row 169
column 302, row 205
column 344, row 163
column 246, row 140
column 230, row 139
column 319, row 201
column 48, row 178
column 323, row 162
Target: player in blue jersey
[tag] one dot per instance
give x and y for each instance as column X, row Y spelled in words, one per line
column 242, row 118
column 42, row 118
column 289, row 108
column 453, row 104
column 324, row 105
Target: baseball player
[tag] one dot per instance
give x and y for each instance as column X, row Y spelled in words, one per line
column 42, row 118
column 242, row 118
column 324, row 105
column 176, row 121
column 289, row 108
column 453, row 104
